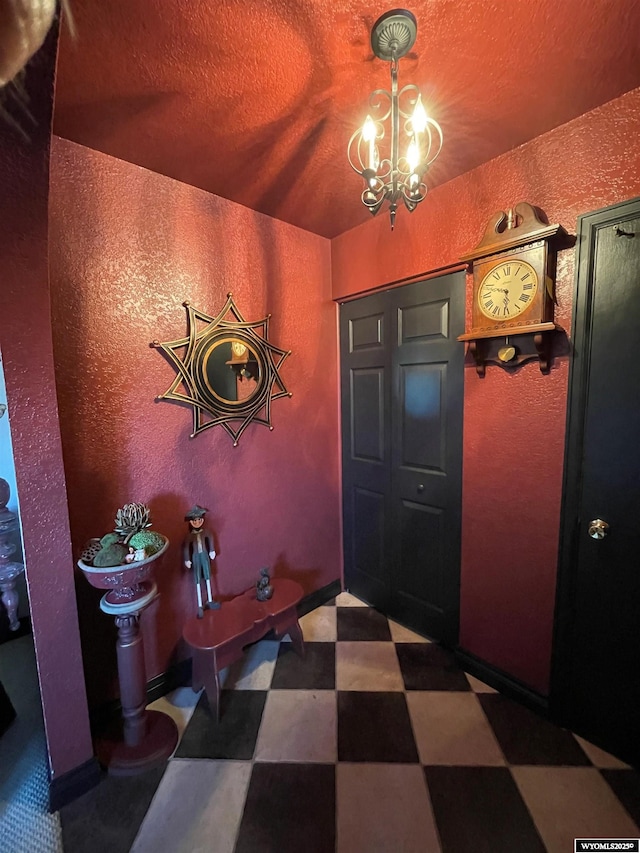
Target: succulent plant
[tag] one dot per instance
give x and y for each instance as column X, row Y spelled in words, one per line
column 132, row 518
column 110, row 539
column 151, row 541
column 112, row 555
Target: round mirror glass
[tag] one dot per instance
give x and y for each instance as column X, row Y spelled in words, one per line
column 231, row 370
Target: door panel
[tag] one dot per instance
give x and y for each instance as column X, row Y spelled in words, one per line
column 422, row 321
column 597, row 682
column 368, row 543
column 402, row 385
column 366, row 332
column 422, row 426
column 420, row 566
column 367, row 413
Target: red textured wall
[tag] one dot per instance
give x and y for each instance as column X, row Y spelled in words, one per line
column 27, row 354
column 513, row 424
column 128, row 246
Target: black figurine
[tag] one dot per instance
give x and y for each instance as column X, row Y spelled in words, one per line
column 264, row 590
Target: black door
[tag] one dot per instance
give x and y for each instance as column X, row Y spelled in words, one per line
column 596, row 685
column 402, row 395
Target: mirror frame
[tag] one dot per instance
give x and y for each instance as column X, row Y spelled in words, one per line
column 192, row 385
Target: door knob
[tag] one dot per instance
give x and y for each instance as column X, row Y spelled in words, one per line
column 598, row 528
column 420, row 488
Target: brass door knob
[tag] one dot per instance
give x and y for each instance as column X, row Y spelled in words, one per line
column 598, row 528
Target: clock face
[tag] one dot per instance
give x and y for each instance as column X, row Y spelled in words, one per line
column 507, row 290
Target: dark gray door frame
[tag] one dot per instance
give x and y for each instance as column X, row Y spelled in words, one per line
column 588, row 226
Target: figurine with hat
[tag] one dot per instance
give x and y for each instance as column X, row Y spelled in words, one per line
column 198, row 551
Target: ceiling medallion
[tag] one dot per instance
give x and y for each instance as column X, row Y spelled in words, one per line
column 392, row 175
column 227, row 370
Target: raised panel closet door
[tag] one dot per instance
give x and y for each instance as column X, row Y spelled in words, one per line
column 365, row 392
column 402, row 386
column 426, row 456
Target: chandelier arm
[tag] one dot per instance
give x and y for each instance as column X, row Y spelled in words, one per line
column 433, row 130
column 376, row 104
column 373, row 202
column 353, row 152
column 410, row 87
column 412, row 196
column 358, row 162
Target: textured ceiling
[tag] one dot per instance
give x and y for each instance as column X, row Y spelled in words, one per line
column 255, row 100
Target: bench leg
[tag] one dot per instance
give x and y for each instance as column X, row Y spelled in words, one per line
column 205, row 674
column 212, row 689
column 197, row 667
column 295, row 632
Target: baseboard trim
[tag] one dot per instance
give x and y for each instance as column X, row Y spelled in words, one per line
column 178, row 675
column 501, row 681
column 319, row 597
column 66, row 788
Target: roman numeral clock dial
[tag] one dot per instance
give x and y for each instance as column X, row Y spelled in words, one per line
column 507, row 290
column 512, row 301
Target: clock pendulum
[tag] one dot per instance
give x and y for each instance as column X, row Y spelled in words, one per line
column 507, row 353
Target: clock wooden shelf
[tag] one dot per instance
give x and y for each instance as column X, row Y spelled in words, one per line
column 533, row 342
column 513, row 290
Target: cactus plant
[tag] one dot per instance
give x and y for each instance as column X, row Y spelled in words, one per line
column 151, row 541
column 132, row 518
column 109, row 539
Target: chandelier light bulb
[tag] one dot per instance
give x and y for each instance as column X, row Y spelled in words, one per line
column 369, row 133
column 413, row 155
column 369, row 130
column 419, row 119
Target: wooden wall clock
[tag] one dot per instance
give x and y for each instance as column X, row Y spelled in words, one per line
column 513, row 289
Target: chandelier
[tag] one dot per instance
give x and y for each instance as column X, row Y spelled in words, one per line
column 392, row 168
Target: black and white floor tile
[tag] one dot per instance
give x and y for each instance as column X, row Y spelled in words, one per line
column 376, row 742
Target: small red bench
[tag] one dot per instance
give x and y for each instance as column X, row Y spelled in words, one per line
column 218, row 639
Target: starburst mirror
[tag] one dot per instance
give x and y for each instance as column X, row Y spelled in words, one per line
column 227, row 370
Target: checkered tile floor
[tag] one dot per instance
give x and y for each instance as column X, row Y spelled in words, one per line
column 376, row 742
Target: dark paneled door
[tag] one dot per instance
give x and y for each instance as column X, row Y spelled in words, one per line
column 596, row 684
column 402, row 395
